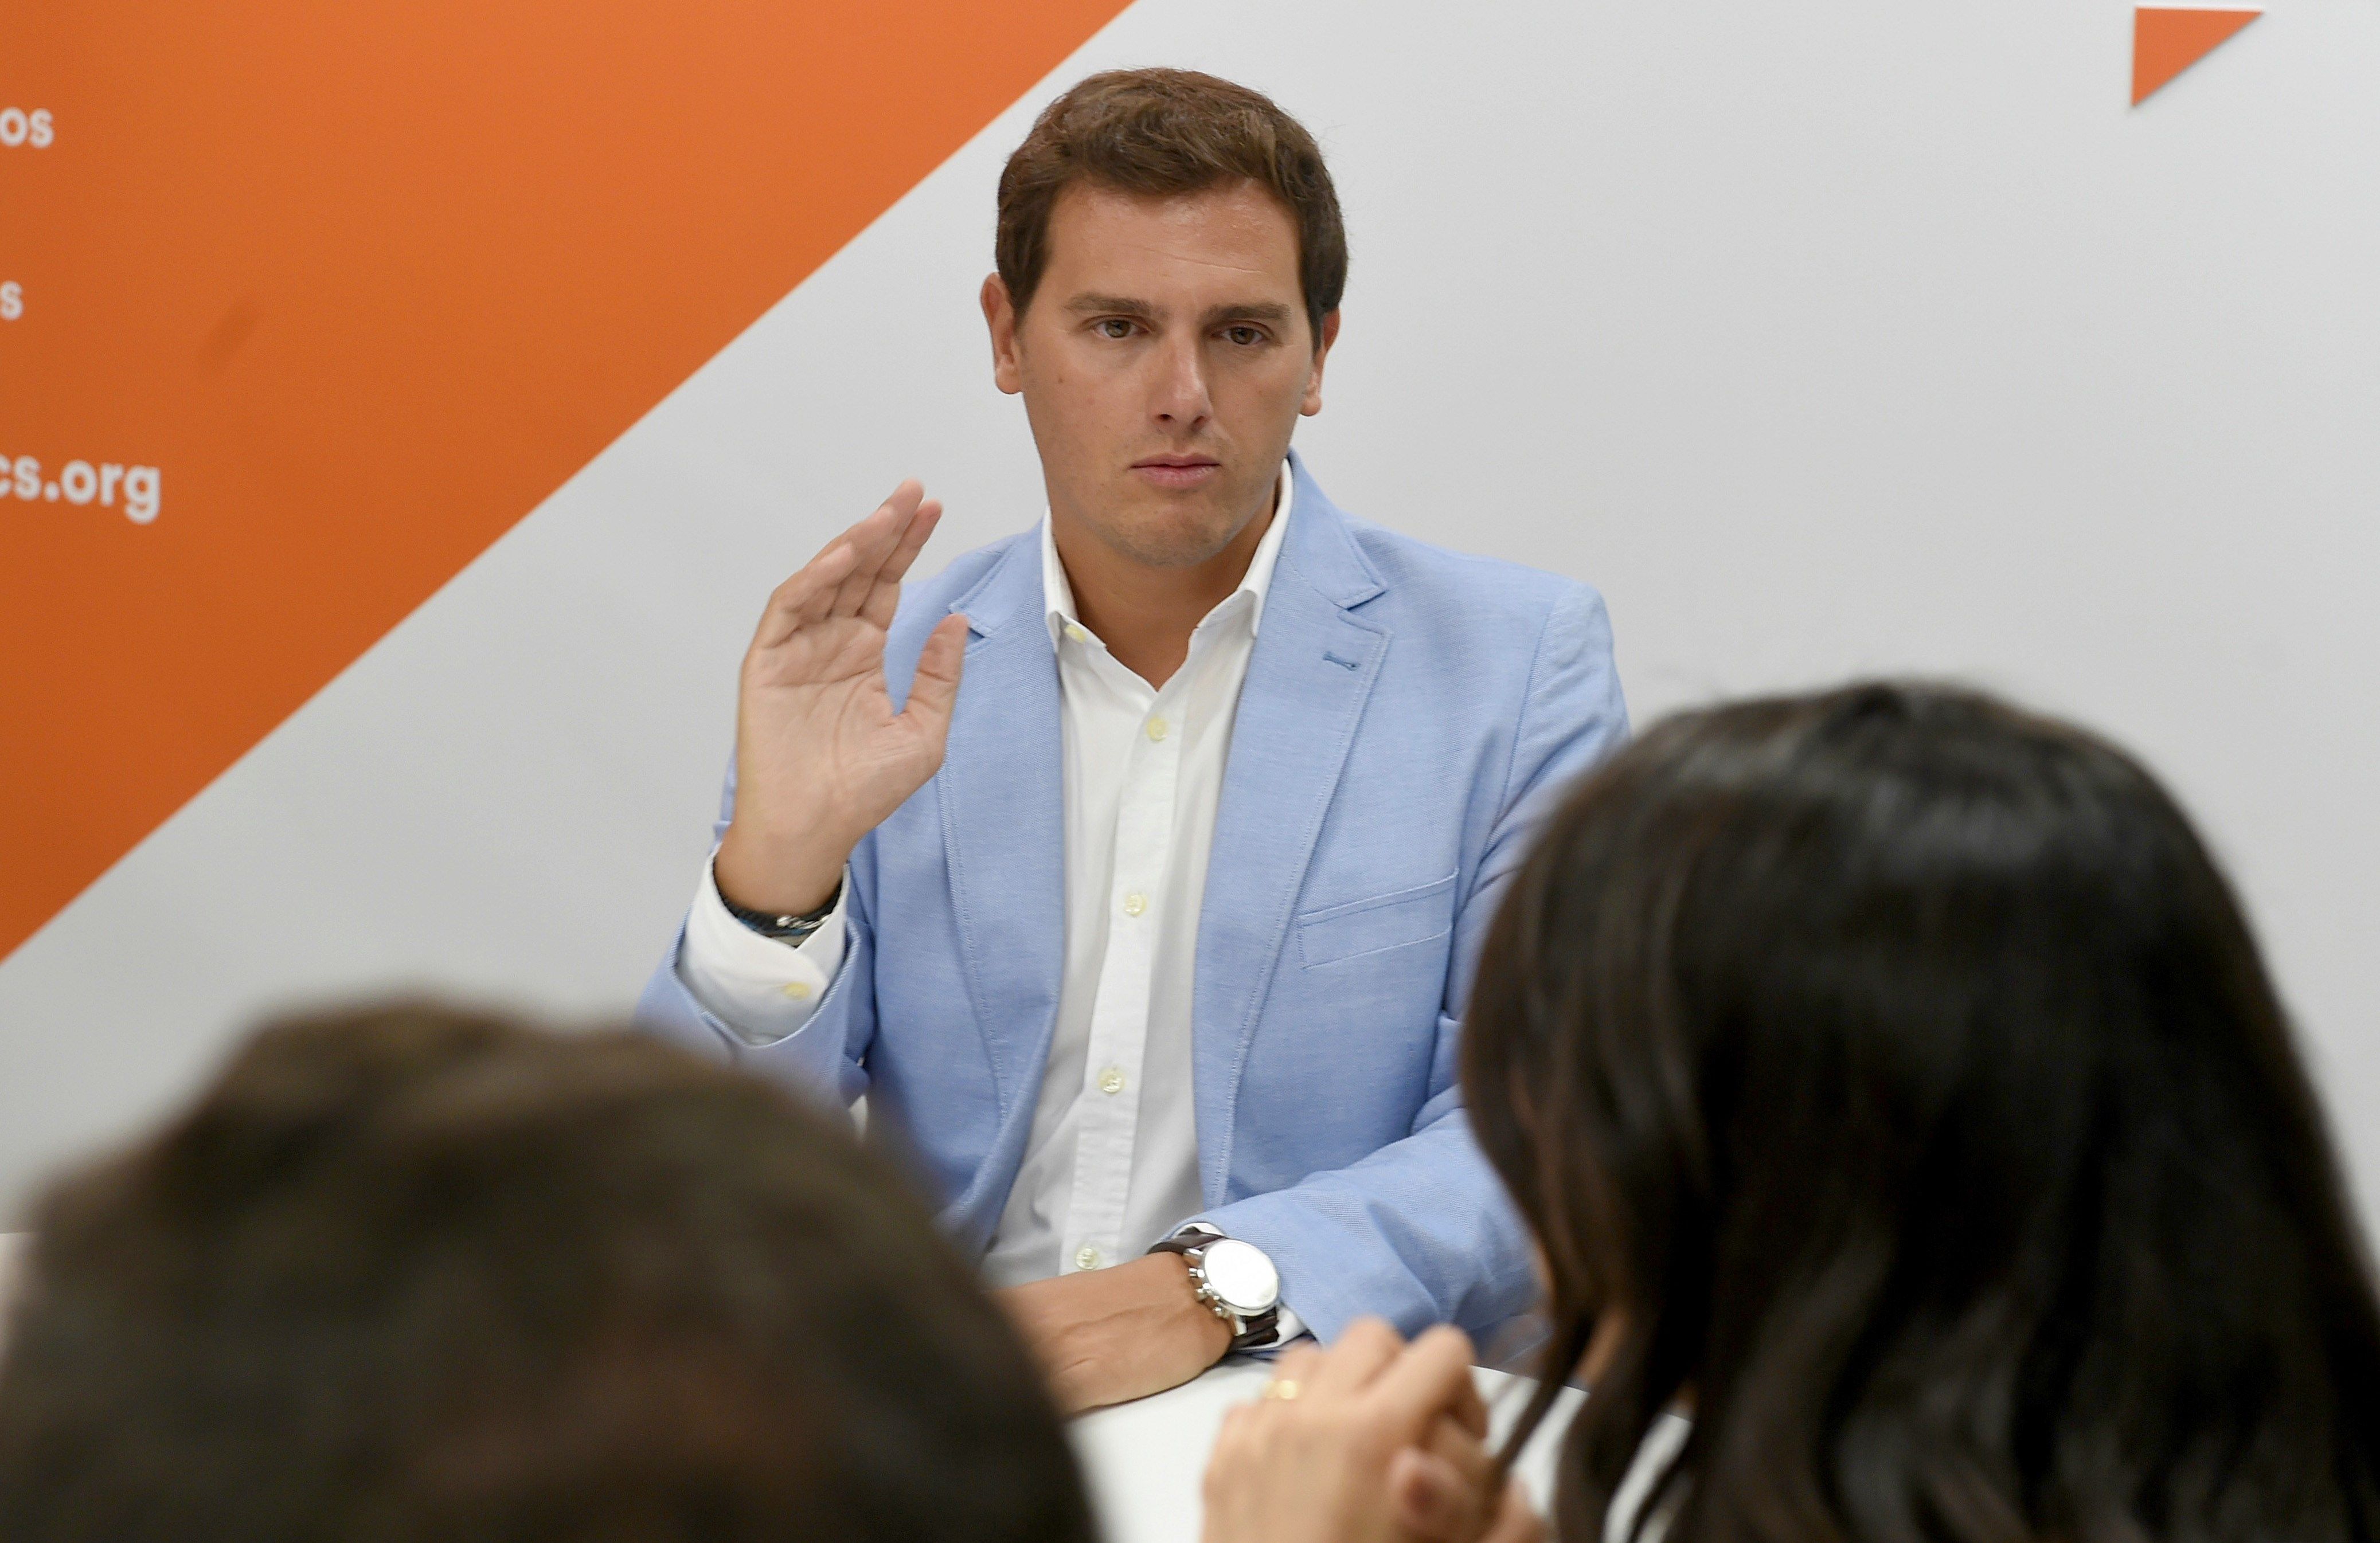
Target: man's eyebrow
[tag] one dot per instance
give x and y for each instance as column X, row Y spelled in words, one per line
column 1252, row 310
column 1271, row 311
column 1111, row 305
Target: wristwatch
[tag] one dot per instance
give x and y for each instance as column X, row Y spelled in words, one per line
column 1236, row 1280
column 795, row 929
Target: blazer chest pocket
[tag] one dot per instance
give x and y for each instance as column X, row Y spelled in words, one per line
column 1373, row 926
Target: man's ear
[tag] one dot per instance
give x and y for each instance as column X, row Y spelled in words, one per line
column 1313, row 402
column 999, row 315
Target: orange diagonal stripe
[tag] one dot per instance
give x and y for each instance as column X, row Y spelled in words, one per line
column 366, row 282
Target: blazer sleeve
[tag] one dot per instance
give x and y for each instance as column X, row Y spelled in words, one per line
column 1421, row 1231
column 826, row 1056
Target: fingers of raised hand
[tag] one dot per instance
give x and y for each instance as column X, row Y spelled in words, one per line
column 806, row 599
column 841, row 577
column 883, row 597
column 875, row 539
column 892, row 514
column 934, row 689
column 911, row 540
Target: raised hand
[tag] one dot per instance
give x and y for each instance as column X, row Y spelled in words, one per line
column 820, row 757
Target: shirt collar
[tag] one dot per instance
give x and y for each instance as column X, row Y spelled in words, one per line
column 1059, row 595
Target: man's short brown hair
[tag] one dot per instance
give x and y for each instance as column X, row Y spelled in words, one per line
column 413, row 1276
column 1164, row 133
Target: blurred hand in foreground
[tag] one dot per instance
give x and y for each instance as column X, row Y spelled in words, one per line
column 1370, row 1441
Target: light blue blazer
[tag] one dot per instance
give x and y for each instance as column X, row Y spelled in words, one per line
column 1409, row 716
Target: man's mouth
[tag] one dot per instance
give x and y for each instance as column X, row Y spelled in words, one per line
column 1177, row 471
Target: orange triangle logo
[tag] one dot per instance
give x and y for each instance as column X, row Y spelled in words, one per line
column 2167, row 40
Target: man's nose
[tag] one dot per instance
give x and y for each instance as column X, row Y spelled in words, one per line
column 1181, row 387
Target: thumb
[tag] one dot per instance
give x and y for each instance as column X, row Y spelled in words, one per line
column 936, row 685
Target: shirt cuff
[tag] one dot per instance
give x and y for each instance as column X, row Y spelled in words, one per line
column 763, row 989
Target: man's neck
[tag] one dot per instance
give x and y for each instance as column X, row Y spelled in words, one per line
column 1145, row 614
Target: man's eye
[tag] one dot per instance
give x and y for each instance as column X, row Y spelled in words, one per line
column 1243, row 335
column 1115, row 327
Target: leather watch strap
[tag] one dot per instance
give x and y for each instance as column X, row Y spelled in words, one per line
column 783, row 929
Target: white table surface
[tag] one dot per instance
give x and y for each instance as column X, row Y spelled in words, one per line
column 1144, row 1460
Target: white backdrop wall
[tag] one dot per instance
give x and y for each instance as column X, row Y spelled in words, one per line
column 1826, row 341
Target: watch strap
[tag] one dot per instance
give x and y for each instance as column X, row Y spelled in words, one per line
column 796, row 930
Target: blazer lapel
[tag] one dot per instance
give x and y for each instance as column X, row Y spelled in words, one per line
column 1313, row 667
column 1004, row 826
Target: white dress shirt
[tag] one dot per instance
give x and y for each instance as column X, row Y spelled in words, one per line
column 1112, row 1162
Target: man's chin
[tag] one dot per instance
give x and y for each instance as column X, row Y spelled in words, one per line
column 1161, row 543
column 1178, row 530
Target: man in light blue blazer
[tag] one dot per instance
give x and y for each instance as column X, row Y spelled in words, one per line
column 1150, row 944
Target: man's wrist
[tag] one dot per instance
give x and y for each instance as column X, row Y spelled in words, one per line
column 783, row 876
column 1212, row 1331
column 785, row 926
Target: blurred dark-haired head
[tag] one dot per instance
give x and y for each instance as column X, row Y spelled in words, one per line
column 410, row 1274
column 1892, row 1076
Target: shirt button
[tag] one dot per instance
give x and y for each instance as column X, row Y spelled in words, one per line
column 1157, row 727
column 1087, row 1257
column 1112, row 1080
column 1074, row 630
column 797, row 990
column 1135, row 903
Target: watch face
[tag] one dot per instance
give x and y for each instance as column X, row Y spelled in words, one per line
column 1241, row 1275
